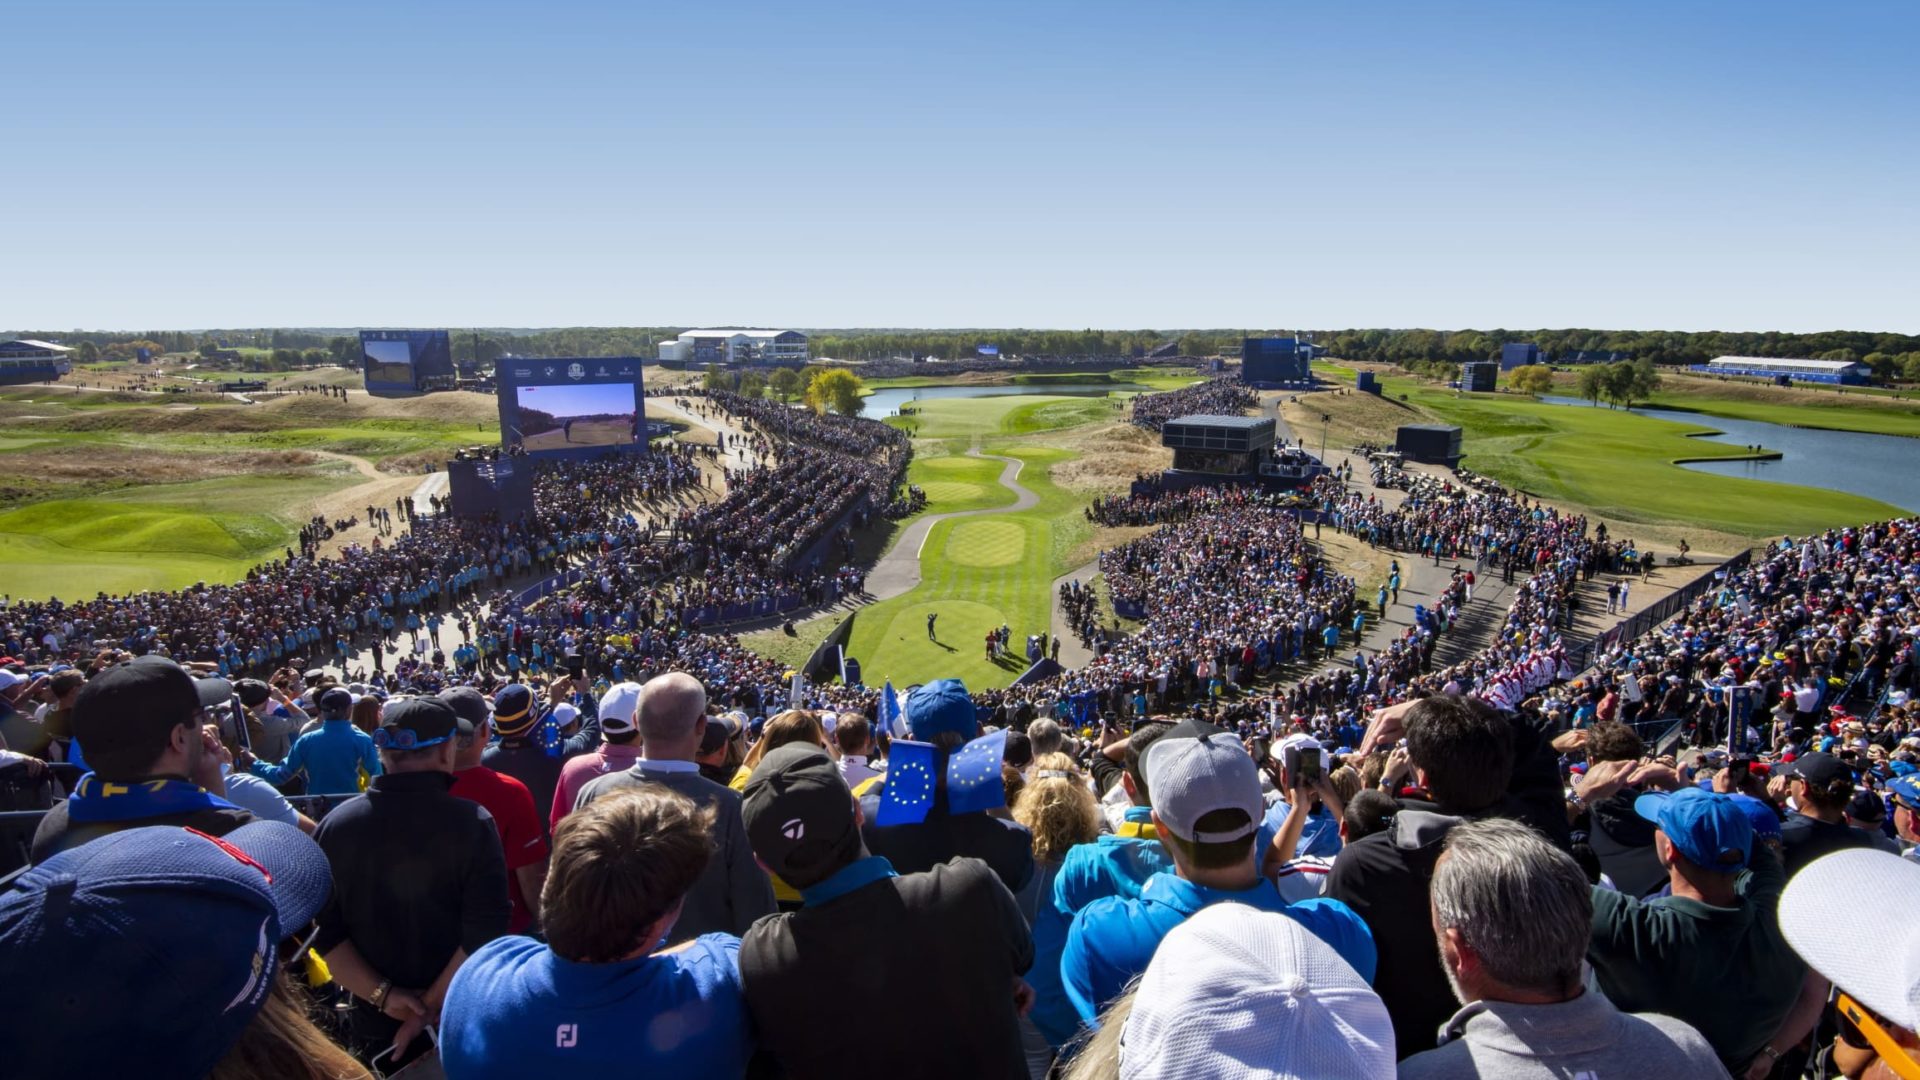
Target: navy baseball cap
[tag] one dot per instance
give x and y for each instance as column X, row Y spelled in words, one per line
column 151, row 949
column 1906, row 791
column 939, row 707
column 337, row 699
column 1711, row 830
column 413, row 723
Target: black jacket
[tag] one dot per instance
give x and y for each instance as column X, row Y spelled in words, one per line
column 934, row 953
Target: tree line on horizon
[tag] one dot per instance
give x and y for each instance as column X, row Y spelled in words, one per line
column 1889, row 355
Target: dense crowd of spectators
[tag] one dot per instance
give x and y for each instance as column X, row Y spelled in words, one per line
column 1223, row 396
column 1497, row 867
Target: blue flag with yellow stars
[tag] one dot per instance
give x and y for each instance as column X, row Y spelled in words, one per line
column 909, row 791
column 973, row 775
column 550, row 734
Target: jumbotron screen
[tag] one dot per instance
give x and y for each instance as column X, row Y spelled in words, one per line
column 575, row 416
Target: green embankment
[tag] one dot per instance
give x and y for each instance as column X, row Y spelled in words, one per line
column 1622, row 465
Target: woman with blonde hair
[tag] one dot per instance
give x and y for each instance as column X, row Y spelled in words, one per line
column 794, row 725
column 1058, row 807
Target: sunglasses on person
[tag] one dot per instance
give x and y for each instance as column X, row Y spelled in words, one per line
column 1862, row 1028
column 403, row 739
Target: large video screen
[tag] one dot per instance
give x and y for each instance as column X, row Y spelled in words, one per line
column 389, row 362
column 574, row 416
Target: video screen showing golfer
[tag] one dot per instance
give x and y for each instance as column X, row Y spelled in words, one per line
column 560, row 417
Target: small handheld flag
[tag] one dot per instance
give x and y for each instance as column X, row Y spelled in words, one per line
column 974, row 781
column 910, row 782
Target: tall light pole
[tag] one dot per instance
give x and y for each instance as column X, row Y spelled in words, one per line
column 1325, row 419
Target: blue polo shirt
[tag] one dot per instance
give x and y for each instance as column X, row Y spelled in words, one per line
column 1114, row 939
column 1112, row 865
column 516, row 1009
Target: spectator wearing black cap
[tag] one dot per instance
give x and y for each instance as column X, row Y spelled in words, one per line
column 868, row 935
column 1867, row 812
column 154, row 952
column 733, row 891
column 139, row 727
column 942, row 713
column 332, row 758
column 420, row 882
column 1820, row 786
column 273, row 718
column 523, row 835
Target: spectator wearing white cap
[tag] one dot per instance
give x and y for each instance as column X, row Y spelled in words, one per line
column 1205, row 791
column 1874, row 960
column 1238, row 992
column 620, row 728
column 1513, row 914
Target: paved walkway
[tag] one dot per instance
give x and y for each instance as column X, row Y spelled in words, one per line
column 1073, row 654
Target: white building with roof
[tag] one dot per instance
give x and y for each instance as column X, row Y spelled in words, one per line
column 1826, row 371
column 728, row 346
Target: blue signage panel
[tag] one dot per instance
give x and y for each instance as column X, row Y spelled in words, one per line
column 402, row 361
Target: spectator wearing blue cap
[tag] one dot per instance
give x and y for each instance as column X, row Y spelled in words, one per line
column 1711, row 954
column 606, row 994
column 395, row 939
column 154, row 952
column 942, row 713
column 332, row 758
column 1903, row 793
column 1207, row 809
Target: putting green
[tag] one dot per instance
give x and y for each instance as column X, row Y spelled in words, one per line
column 945, row 492
column 986, row 542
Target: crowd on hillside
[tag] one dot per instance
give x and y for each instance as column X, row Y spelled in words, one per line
column 691, row 862
column 1444, row 883
column 1223, row 396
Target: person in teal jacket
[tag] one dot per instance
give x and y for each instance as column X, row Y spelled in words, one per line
column 333, row 756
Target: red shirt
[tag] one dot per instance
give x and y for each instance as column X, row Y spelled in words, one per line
column 522, row 837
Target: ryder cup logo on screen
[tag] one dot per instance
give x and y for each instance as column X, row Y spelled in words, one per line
column 576, row 371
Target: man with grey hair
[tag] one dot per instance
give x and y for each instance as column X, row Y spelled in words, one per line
column 1513, row 915
column 732, row 891
column 1046, row 737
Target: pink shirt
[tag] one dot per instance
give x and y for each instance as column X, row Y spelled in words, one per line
column 578, row 772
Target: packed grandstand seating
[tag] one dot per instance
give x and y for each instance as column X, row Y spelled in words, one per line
column 1243, row 632
column 1223, row 396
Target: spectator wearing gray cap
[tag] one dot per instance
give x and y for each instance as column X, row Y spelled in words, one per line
column 1205, row 791
column 333, row 758
column 1513, row 914
column 948, row 944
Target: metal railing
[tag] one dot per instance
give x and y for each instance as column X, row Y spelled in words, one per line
column 1584, row 656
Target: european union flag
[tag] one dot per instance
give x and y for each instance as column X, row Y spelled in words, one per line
column 891, row 720
column 973, row 775
column 550, row 734
column 909, row 791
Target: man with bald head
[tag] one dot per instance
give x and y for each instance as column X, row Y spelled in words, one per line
column 733, row 891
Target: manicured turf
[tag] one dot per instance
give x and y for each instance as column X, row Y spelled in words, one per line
column 977, row 573
column 959, row 483
column 990, row 417
column 1621, row 465
column 162, row 537
column 1852, row 412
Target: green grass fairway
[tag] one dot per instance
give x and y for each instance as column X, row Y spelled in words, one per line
column 166, row 536
column 1853, row 412
column 1622, row 466
column 977, row 573
column 958, row 483
column 991, row 417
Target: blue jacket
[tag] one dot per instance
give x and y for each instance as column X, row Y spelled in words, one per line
column 332, row 758
column 1113, row 939
column 1109, row 866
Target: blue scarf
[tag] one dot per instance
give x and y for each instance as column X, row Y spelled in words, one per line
column 97, row 800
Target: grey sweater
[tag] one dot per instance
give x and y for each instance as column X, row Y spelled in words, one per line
column 733, row 891
column 1586, row 1037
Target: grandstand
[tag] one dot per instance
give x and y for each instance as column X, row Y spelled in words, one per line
column 1845, row 372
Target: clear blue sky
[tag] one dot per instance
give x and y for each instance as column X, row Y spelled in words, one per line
column 566, row 400
column 1749, row 165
